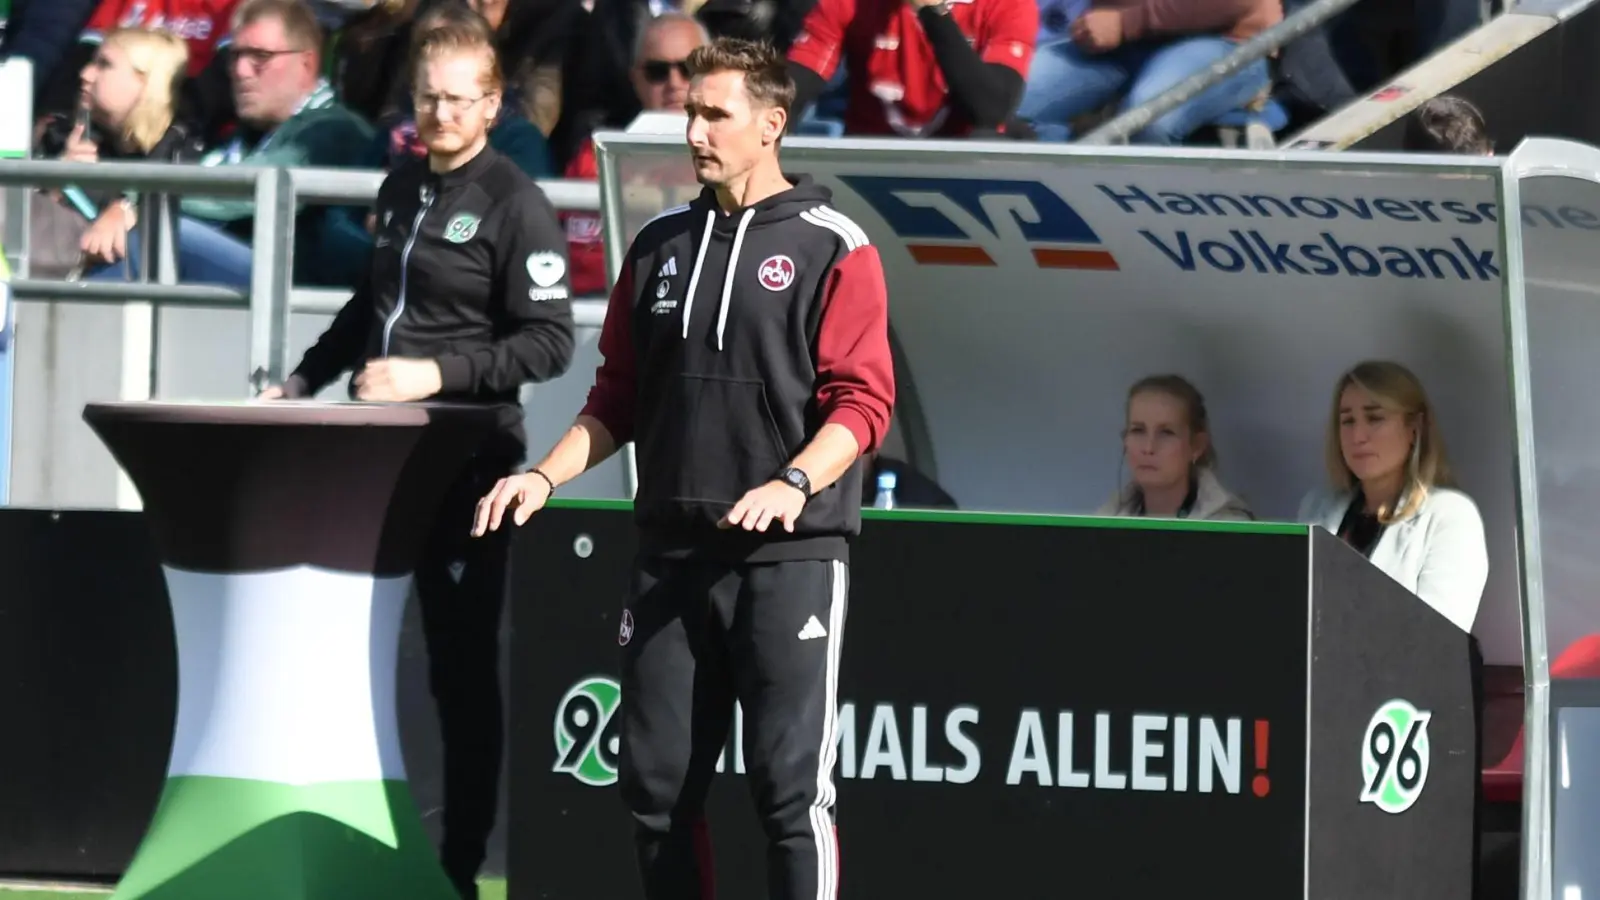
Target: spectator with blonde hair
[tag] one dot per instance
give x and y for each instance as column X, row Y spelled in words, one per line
column 127, row 96
column 1392, row 496
column 1167, row 445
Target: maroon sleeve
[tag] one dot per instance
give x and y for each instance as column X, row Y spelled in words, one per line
column 855, row 373
column 1180, row 17
column 612, row 398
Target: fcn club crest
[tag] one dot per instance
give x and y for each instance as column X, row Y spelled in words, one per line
column 776, row 273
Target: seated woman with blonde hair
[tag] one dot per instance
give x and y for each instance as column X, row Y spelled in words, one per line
column 1393, row 498
column 1166, row 443
column 127, row 101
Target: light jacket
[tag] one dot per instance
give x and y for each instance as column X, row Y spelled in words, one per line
column 1212, row 502
column 1438, row 553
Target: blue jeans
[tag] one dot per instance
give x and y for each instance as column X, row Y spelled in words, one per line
column 206, row 255
column 1067, row 82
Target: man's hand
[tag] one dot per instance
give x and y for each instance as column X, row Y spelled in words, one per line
column 397, row 380
column 528, row 492
column 919, row 4
column 293, row 388
column 774, row 500
column 1098, row 30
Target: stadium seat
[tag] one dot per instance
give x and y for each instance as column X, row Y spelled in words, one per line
column 1502, row 782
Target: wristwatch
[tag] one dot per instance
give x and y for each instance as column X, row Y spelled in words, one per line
column 796, row 479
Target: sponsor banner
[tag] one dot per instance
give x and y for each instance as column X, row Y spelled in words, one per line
column 1019, row 695
column 1028, row 291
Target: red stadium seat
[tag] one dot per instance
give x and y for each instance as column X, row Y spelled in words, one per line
column 1502, row 782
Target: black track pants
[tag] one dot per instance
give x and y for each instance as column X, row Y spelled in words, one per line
column 461, row 585
column 698, row 636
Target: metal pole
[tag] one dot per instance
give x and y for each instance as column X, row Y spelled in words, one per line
column 152, row 246
column 268, row 279
column 283, row 236
column 1124, row 126
column 166, row 232
column 1536, row 768
column 194, row 296
column 615, row 244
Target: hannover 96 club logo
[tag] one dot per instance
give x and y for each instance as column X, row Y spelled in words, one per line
column 1394, row 756
column 586, row 731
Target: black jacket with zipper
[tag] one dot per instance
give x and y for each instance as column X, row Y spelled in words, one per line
column 469, row 268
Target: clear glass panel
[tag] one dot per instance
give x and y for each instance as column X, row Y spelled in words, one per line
column 1561, row 237
column 653, row 179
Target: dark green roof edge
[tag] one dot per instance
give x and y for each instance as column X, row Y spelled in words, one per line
column 1003, row 518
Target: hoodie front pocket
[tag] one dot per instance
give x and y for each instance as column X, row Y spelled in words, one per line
column 714, row 439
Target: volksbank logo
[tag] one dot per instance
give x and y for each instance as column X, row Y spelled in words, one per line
column 982, row 221
column 1394, row 756
column 586, row 731
column 1250, row 232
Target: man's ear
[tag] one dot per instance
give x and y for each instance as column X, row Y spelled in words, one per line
column 775, row 120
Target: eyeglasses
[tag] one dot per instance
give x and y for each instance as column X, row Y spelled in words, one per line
column 255, row 58
column 428, row 103
column 657, row 70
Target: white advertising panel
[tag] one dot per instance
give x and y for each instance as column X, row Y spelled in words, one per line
column 1029, row 288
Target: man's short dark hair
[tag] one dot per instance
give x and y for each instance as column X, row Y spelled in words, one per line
column 1447, row 124
column 766, row 72
column 299, row 22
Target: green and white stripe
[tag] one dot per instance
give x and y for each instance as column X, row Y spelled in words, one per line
column 286, row 780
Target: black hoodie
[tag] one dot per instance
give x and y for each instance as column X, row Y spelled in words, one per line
column 730, row 340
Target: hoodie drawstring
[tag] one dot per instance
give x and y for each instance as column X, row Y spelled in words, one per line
column 727, row 281
column 694, row 276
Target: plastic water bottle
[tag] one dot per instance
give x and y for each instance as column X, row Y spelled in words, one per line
column 886, row 483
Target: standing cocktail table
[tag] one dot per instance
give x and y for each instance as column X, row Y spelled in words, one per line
column 287, row 532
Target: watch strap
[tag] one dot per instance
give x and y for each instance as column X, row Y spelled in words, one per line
column 796, row 479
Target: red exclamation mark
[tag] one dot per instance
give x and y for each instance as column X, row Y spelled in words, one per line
column 1261, row 785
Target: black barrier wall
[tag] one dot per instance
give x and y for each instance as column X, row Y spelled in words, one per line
column 1121, row 707
column 977, row 649
column 88, row 681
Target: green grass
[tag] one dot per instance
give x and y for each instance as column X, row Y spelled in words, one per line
column 491, row 889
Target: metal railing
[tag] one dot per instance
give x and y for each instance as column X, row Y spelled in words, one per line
column 277, row 193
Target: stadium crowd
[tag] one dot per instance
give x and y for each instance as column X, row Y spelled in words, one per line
column 327, row 83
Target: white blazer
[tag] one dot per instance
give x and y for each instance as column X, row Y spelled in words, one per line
column 1439, row 553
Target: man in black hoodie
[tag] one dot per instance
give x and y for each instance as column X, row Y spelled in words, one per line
column 747, row 357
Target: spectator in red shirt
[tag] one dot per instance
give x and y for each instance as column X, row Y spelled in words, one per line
column 918, row 68
column 660, row 77
column 202, row 23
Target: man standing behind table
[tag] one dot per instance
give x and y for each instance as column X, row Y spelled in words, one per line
column 746, row 354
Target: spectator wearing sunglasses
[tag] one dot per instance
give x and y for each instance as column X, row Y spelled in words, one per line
column 660, row 78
